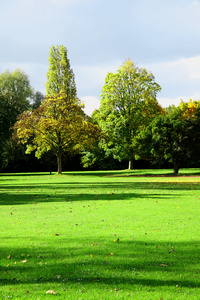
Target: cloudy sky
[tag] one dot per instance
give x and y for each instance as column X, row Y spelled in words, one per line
column 162, row 36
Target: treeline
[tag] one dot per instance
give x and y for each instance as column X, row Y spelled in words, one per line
column 130, row 129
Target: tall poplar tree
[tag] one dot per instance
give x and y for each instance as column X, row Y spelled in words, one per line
column 60, row 76
column 59, row 124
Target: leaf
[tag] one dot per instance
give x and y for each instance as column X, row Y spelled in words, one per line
column 51, row 292
column 163, row 265
column 57, row 234
column 23, row 261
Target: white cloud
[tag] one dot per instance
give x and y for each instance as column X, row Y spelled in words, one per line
column 192, row 65
column 93, row 76
column 196, row 3
column 178, row 79
column 195, row 75
column 165, row 102
column 91, row 103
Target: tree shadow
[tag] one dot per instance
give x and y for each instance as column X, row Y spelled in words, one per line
column 77, row 191
column 152, row 264
column 12, row 194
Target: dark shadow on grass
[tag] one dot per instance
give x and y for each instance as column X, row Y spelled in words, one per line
column 78, row 191
column 23, row 174
column 28, row 194
column 42, row 198
column 115, row 173
column 150, row 264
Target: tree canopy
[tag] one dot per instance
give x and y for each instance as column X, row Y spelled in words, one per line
column 174, row 137
column 17, row 91
column 15, row 96
column 60, row 76
column 58, row 125
column 128, row 103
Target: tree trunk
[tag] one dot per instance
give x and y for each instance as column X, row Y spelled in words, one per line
column 130, row 164
column 59, row 161
column 176, row 168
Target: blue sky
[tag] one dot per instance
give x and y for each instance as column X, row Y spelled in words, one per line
column 162, row 36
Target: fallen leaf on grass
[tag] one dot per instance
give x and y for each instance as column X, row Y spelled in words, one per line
column 57, row 234
column 8, row 256
column 111, row 254
column 51, row 292
column 162, row 265
column 116, row 240
column 23, row 261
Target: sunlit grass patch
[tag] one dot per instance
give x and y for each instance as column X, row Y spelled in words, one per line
column 95, row 235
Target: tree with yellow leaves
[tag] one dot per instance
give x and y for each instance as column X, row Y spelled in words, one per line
column 190, row 108
column 58, row 125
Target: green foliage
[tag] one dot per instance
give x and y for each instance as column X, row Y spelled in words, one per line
column 37, row 100
column 172, row 138
column 15, row 96
column 97, row 159
column 16, row 93
column 60, row 77
column 17, row 89
column 128, row 103
column 58, row 125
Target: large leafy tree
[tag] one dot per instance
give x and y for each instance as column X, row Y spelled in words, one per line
column 60, row 76
column 128, row 103
column 59, row 125
column 17, row 92
column 174, row 138
column 15, row 96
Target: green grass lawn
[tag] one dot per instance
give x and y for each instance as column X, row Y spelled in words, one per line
column 100, row 235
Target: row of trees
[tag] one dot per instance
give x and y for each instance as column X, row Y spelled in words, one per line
column 130, row 124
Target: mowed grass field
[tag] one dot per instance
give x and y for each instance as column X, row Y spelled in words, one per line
column 100, row 235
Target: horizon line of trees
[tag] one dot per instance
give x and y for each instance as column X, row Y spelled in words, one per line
column 130, row 125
